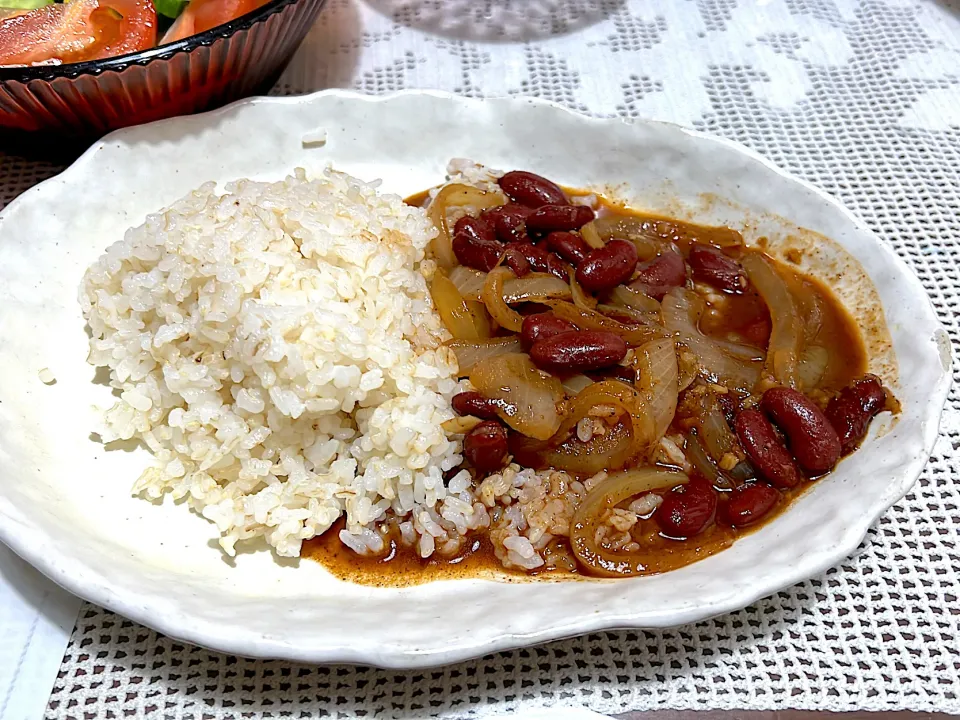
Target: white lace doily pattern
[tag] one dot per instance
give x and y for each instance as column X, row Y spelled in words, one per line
column 861, row 98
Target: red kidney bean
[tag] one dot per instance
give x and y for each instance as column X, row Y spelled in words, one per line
column 509, row 222
column 813, row 441
column 658, row 276
column 559, row 217
column 475, row 244
column 757, row 332
column 711, row 266
column 473, row 403
column 579, row 351
column 541, row 260
column 607, row 267
column 516, row 261
column 531, row 190
column 766, row 452
column 687, row 511
column 570, row 246
column 851, row 411
column 540, row 327
column 475, row 228
column 749, row 503
column 486, row 446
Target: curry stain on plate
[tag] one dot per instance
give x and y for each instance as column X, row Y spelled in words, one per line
column 402, row 567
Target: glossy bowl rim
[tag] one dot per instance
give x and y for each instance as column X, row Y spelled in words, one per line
column 119, row 63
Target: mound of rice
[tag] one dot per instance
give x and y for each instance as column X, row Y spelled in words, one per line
column 277, row 350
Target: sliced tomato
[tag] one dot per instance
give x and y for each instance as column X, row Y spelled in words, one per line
column 203, row 15
column 78, row 30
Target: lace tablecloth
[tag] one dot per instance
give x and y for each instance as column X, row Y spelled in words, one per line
column 861, row 98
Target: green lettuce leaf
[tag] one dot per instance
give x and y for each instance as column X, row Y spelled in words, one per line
column 167, row 8
column 24, row 4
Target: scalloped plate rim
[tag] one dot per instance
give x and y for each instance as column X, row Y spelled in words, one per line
column 33, row 545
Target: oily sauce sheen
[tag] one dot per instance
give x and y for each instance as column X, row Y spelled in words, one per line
column 400, row 566
column 745, row 319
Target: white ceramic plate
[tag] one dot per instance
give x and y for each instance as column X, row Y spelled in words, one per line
column 65, row 503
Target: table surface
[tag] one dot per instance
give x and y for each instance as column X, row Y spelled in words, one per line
column 860, row 97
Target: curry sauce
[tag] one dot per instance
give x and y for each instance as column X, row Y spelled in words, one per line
column 740, row 318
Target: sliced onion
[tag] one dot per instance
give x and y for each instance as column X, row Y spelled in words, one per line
column 628, row 316
column 786, row 334
column 493, row 299
column 587, row 319
column 465, row 320
column 469, row 354
column 689, row 368
column 580, row 298
column 628, row 297
column 606, row 392
column 566, row 452
column 717, row 435
column 637, row 230
column 460, row 424
column 590, row 236
column 652, row 234
column 468, row 281
column 724, row 237
column 812, row 366
column 576, row 384
column 598, row 454
column 527, row 398
column 812, row 311
column 607, row 495
column 656, row 363
column 534, row 287
column 714, row 432
column 624, row 315
column 681, row 310
column 631, row 438
column 739, row 351
column 455, row 195
column 481, row 320
column 700, row 460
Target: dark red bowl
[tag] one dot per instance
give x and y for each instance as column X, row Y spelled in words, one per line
column 242, row 57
